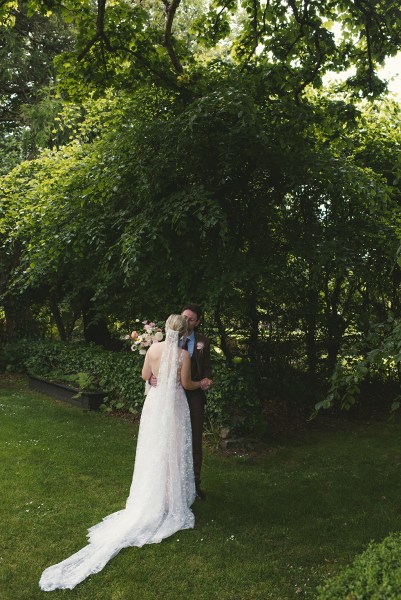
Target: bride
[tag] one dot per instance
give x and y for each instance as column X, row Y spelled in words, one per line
column 163, row 487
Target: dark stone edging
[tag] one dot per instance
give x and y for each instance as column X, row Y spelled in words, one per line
column 86, row 400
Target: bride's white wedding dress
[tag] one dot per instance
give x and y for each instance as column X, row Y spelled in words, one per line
column 162, row 489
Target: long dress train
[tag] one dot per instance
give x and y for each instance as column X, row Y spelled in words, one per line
column 162, row 488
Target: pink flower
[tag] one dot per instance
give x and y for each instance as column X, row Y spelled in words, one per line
column 200, row 345
column 144, row 339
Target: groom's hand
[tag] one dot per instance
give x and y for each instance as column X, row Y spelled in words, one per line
column 153, row 380
column 205, row 384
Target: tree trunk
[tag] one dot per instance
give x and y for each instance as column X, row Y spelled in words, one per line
column 57, row 318
column 254, row 319
column 222, row 335
column 19, row 319
column 311, row 346
column 11, row 320
column 311, row 311
column 95, row 327
column 335, row 328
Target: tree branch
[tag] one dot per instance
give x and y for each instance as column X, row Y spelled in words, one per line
column 11, row 89
column 100, row 34
column 255, row 32
column 217, row 19
column 315, row 71
column 368, row 17
column 267, row 6
column 255, row 23
column 11, row 118
column 171, row 8
column 143, row 63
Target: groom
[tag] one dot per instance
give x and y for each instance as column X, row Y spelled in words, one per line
column 198, row 347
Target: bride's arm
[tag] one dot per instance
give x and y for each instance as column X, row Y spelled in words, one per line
column 186, row 380
column 146, row 369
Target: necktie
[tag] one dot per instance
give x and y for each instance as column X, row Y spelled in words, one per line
column 185, row 344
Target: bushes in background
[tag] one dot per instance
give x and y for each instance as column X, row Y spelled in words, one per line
column 232, row 401
column 374, row 575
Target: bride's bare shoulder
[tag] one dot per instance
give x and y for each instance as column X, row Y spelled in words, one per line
column 156, row 349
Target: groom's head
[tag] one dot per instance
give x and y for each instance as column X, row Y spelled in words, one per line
column 192, row 313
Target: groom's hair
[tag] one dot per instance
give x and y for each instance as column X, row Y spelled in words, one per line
column 195, row 308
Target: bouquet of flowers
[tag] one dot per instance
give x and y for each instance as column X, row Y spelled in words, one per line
column 151, row 334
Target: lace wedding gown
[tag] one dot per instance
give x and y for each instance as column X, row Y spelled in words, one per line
column 162, row 489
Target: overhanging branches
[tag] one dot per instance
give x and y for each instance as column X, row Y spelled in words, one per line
column 100, row 35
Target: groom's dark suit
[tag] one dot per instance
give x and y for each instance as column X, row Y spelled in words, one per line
column 200, row 368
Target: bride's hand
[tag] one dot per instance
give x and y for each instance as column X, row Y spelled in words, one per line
column 153, row 380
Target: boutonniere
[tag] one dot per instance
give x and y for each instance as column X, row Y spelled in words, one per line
column 200, row 345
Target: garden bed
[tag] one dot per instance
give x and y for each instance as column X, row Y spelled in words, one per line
column 72, row 395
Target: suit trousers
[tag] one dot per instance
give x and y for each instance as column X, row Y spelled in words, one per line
column 196, row 401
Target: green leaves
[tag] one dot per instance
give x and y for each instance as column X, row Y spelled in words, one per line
column 373, row 574
column 360, row 363
column 122, row 44
column 276, row 210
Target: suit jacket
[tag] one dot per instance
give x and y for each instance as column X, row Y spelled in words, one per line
column 200, row 360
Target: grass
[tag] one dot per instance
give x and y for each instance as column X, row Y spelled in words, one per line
column 273, row 527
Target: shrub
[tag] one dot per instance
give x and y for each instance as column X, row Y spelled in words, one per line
column 232, row 401
column 374, row 575
column 13, row 356
column 119, row 373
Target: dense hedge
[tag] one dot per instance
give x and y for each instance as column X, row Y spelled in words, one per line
column 374, row 575
column 232, row 401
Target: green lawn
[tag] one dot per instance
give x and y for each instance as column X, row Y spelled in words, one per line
column 273, row 525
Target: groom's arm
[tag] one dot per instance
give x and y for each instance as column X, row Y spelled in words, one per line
column 206, row 366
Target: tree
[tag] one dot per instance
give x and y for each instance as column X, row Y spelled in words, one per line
column 229, row 177
column 27, row 105
column 266, row 208
column 121, row 43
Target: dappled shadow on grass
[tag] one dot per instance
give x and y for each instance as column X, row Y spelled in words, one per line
column 319, row 501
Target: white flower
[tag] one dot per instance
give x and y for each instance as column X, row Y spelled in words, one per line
column 200, row 346
column 151, row 334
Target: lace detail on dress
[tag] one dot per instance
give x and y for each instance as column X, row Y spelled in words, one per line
column 162, row 489
column 179, row 367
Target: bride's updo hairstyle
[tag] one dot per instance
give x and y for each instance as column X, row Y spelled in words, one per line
column 177, row 323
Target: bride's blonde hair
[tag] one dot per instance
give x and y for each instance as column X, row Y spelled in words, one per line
column 177, row 323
